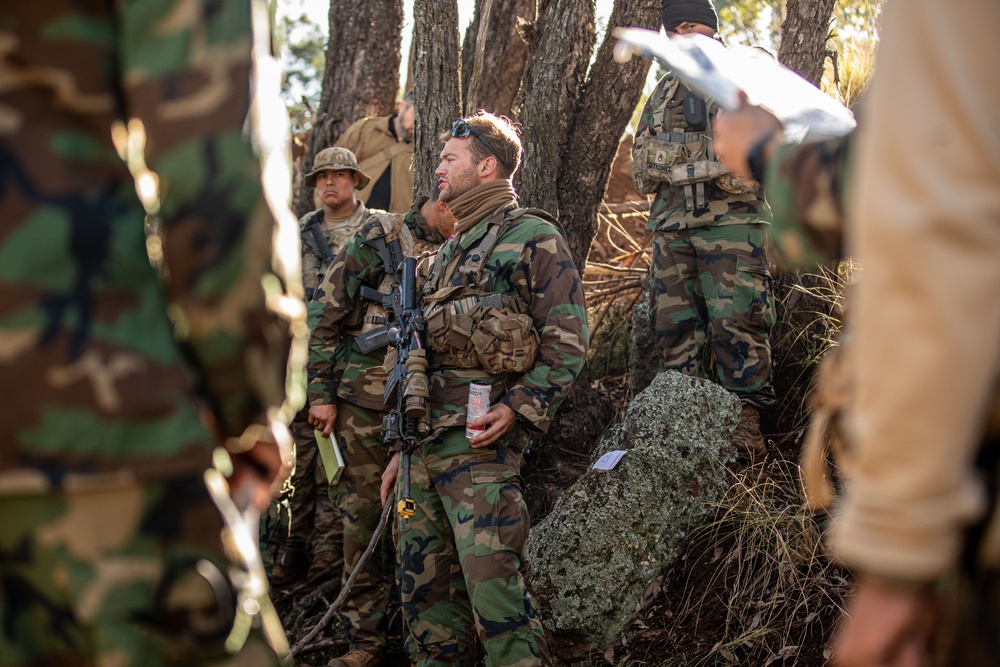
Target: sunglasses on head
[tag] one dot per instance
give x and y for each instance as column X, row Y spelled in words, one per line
column 462, row 130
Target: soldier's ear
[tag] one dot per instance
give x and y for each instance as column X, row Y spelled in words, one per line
column 357, row 179
column 487, row 165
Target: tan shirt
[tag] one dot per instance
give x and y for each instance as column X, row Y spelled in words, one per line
column 376, row 148
column 926, row 225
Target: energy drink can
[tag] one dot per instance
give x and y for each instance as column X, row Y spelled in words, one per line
column 479, row 405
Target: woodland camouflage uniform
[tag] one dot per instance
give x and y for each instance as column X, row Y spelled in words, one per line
column 110, row 549
column 709, row 277
column 462, row 555
column 340, row 374
column 806, row 191
column 314, row 523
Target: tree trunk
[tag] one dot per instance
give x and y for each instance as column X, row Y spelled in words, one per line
column 804, row 35
column 607, row 103
column 361, row 76
column 552, row 88
column 504, row 57
column 436, row 94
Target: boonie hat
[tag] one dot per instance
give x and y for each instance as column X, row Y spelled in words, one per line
column 336, row 159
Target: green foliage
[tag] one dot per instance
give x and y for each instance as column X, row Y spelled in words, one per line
column 302, row 46
column 751, row 22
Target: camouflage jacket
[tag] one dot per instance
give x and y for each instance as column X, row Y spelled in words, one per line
column 95, row 380
column 805, row 186
column 668, row 210
column 314, row 265
column 336, row 367
column 531, row 261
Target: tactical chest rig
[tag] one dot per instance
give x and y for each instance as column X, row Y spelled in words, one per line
column 469, row 325
column 678, row 150
column 312, row 237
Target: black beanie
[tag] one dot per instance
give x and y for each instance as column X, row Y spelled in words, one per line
column 676, row 12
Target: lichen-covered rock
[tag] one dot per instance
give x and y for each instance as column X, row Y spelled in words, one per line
column 613, row 532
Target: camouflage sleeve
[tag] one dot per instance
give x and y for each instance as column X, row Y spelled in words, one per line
column 356, row 265
column 186, row 72
column 547, row 278
column 804, row 184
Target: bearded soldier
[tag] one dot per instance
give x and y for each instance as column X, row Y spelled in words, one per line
column 346, row 397
column 384, row 148
column 710, row 299
column 505, row 308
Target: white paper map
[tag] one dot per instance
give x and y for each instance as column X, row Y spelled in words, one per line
column 720, row 73
column 609, row 460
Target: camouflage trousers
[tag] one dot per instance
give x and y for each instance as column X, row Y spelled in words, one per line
column 710, row 287
column 314, row 526
column 117, row 575
column 359, row 432
column 461, row 556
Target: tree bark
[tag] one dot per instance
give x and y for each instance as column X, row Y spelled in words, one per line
column 607, row 103
column 436, row 93
column 504, row 57
column 361, row 77
column 552, row 89
column 804, row 35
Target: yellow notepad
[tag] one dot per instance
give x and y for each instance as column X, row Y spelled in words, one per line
column 329, row 452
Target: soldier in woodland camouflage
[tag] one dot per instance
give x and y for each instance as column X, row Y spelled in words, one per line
column 119, row 385
column 711, row 306
column 314, row 526
column 505, row 307
column 345, row 393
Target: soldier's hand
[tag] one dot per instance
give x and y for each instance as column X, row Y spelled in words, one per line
column 736, row 132
column 323, row 417
column 884, row 626
column 260, row 471
column 389, row 478
column 498, row 421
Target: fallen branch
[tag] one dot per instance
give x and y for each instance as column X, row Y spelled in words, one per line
column 347, row 585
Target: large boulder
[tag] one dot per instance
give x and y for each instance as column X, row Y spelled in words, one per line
column 613, row 532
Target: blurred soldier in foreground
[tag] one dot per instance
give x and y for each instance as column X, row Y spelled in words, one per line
column 346, row 397
column 918, row 521
column 505, row 309
column 384, row 148
column 710, row 290
column 118, row 386
column 313, row 549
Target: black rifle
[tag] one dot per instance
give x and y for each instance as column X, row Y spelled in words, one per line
column 406, row 388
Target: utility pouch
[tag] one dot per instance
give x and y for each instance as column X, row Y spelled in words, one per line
column 696, row 172
column 505, row 342
column 735, row 185
column 449, row 336
column 695, row 113
column 652, row 159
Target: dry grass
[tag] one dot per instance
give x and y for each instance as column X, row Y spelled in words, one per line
column 781, row 590
column 754, row 586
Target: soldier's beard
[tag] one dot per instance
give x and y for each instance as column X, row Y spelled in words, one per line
column 459, row 184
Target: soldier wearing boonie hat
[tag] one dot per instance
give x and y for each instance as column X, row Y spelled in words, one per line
column 313, row 545
column 336, row 159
